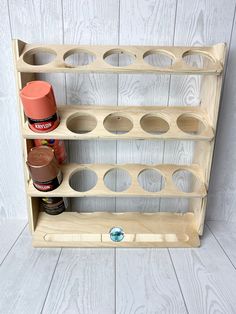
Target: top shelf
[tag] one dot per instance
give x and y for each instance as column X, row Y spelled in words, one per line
column 99, row 59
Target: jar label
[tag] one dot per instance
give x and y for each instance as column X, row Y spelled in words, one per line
column 48, row 185
column 43, row 124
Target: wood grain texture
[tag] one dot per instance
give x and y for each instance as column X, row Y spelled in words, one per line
column 9, row 232
column 72, row 184
column 206, row 276
column 221, row 200
column 225, row 233
column 89, row 22
column 25, row 277
column 146, row 282
column 197, row 23
column 11, row 170
column 144, row 23
column 100, row 59
column 71, row 229
column 128, row 122
column 84, row 285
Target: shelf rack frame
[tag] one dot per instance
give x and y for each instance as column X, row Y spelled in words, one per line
column 160, row 229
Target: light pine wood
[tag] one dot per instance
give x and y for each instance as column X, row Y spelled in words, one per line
column 133, row 170
column 118, row 122
column 25, row 276
column 201, row 273
column 84, row 285
column 92, row 230
column 125, row 122
column 9, row 232
column 99, row 65
column 152, row 289
column 214, row 85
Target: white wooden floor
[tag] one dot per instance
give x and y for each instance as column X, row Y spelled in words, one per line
column 110, row 281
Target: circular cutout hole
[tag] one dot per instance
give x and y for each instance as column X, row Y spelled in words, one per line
column 154, row 124
column 158, row 58
column 117, row 180
column 117, row 123
column 151, row 180
column 83, row 180
column 118, row 58
column 197, row 59
column 39, row 56
column 190, row 124
column 81, row 123
column 77, row 57
column 185, row 181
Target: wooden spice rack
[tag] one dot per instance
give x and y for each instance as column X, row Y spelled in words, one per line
column 160, row 229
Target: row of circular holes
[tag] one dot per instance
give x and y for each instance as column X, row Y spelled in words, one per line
column 119, row 180
column 150, row 123
column 76, row 57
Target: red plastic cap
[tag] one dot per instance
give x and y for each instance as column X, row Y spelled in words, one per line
column 38, row 100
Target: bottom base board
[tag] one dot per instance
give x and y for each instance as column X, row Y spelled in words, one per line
column 72, row 229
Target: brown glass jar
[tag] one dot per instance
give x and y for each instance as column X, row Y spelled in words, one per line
column 44, row 168
column 46, row 176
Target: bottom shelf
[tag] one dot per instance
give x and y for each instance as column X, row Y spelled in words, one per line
column 72, row 229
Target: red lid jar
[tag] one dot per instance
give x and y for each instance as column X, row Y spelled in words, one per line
column 39, row 106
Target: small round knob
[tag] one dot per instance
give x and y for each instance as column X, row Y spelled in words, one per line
column 116, row 234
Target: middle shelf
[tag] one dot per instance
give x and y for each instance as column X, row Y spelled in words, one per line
column 129, row 122
column 170, row 182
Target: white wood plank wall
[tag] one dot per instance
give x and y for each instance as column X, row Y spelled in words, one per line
column 178, row 22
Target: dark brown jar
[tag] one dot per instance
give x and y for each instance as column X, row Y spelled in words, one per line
column 53, row 205
column 44, row 168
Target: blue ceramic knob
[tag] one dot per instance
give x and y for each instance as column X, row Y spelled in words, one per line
column 117, row 234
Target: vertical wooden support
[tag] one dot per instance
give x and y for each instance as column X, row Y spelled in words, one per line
column 203, row 153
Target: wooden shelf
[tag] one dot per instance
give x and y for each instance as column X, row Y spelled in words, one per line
column 128, row 122
column 99, row 54
column 133, row 170
column 71, row 229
